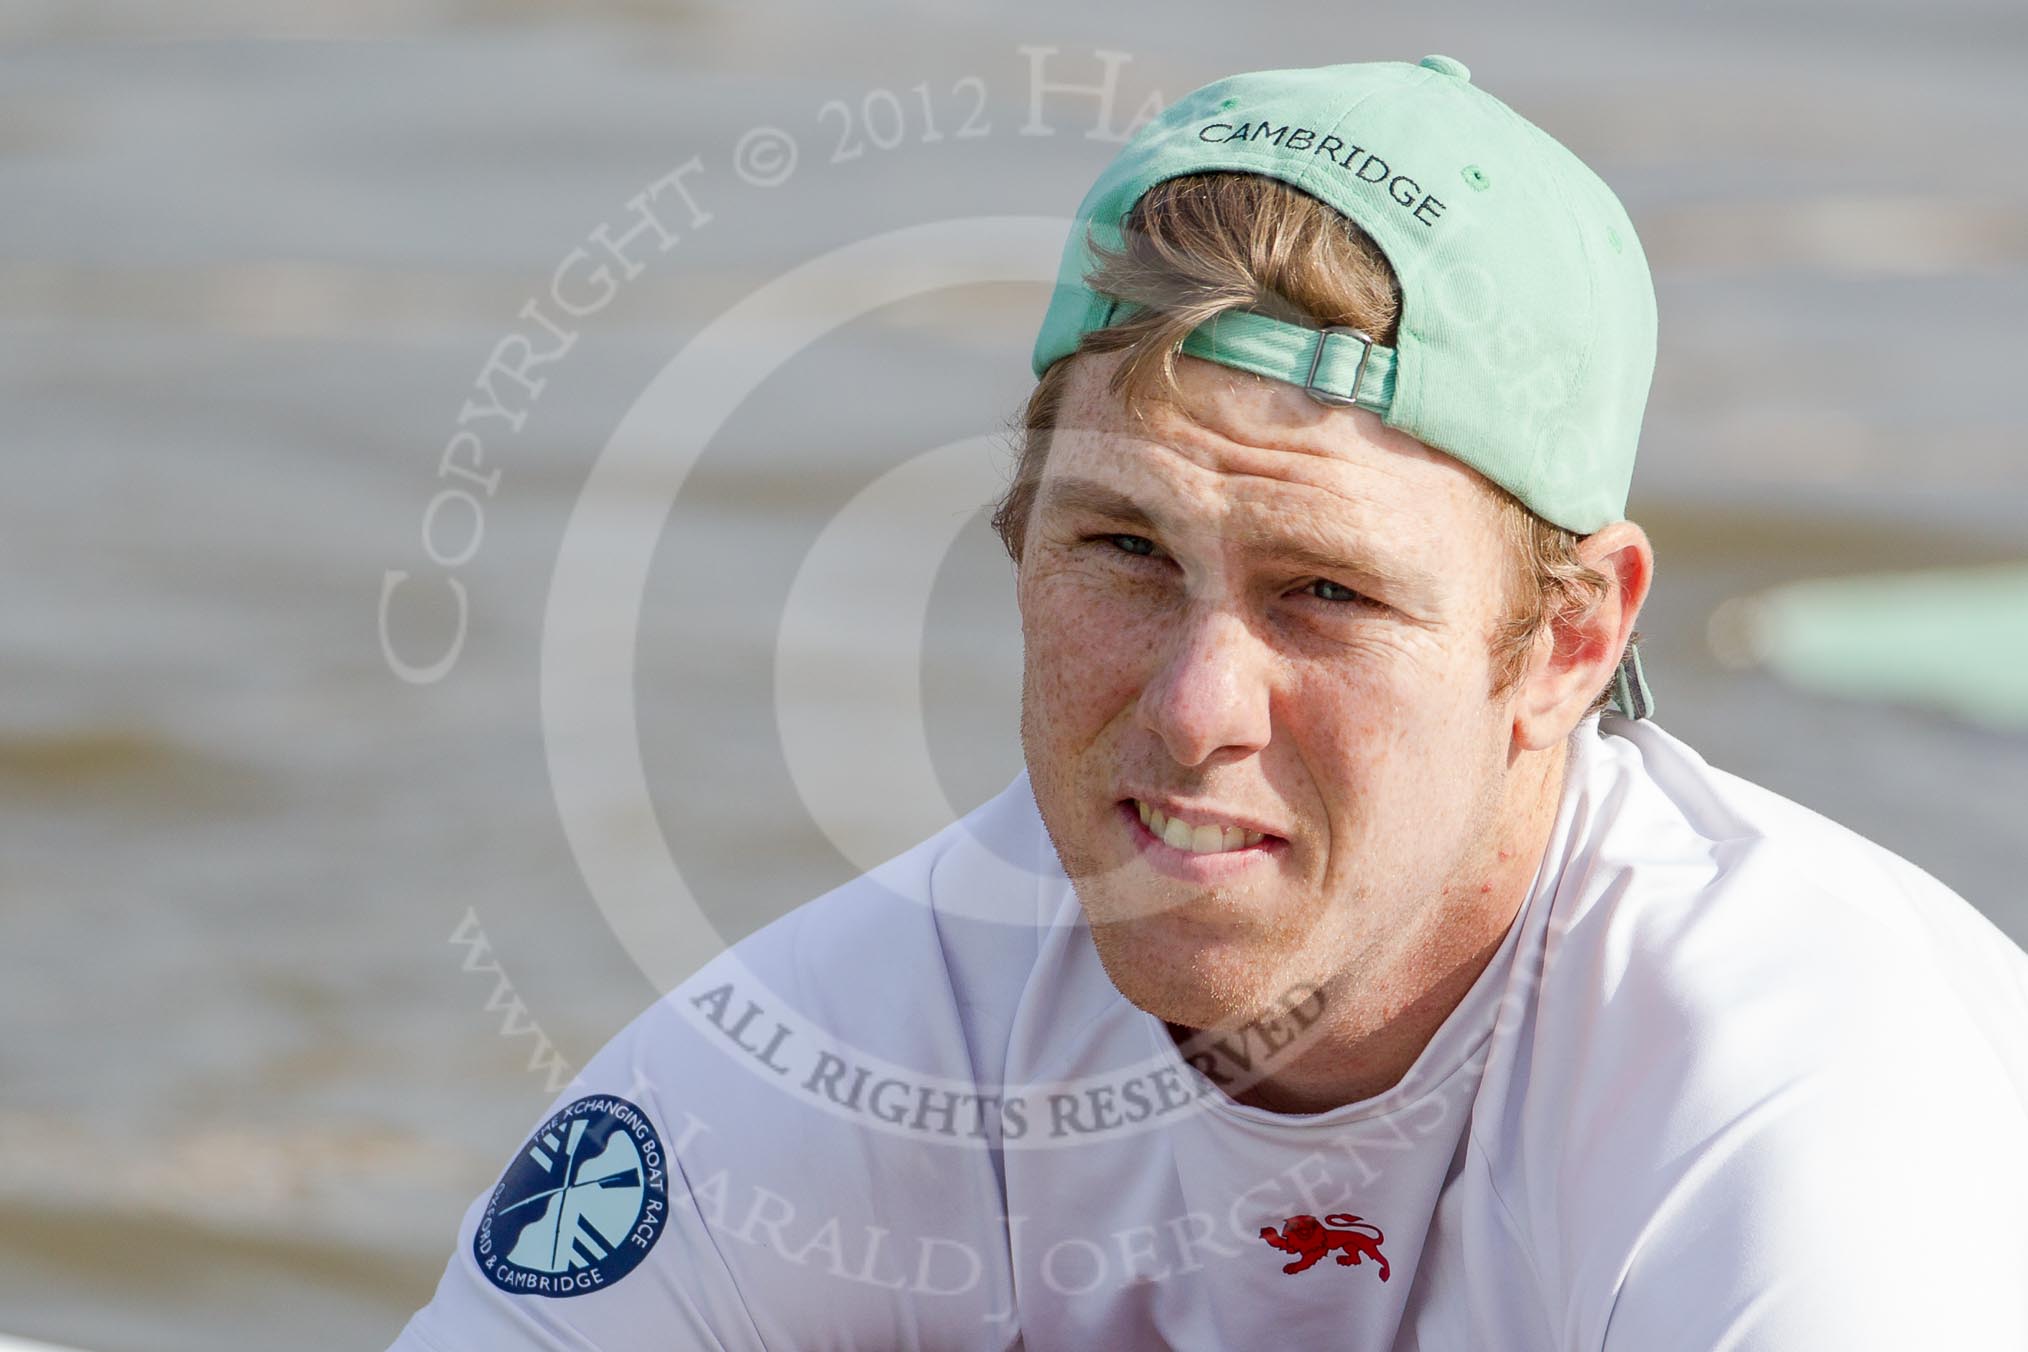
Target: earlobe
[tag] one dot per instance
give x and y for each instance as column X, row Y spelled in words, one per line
column 1544, row 689
column 1578, row 652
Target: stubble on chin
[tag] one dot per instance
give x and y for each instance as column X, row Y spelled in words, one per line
column 1199, row 976
column 1074, row 851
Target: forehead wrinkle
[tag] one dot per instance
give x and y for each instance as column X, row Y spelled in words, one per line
column 1347, row 533
column 1218, row 454
column 1233, row 416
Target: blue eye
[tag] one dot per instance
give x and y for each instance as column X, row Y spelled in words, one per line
column 1348, row 595
column 1138, row 540
column 1322, row 589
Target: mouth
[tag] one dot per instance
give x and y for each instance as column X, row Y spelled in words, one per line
column 1199, row 851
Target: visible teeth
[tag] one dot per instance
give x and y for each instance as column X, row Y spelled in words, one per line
column 1208, row 839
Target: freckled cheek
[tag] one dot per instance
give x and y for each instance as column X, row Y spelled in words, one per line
column 1087, row 655
column 1343, row 717
column 1361, row 725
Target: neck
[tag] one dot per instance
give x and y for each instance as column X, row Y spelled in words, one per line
column 1372, row 1029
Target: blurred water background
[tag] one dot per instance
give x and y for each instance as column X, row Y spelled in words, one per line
column 280, row 933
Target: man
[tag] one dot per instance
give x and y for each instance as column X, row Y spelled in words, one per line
column 1355, row 964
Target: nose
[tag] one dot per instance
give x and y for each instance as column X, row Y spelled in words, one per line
column 1210, row 693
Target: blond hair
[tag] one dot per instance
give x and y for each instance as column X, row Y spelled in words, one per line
column 1201, row 244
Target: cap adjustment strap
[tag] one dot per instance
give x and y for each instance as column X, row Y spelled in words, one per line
column 1630, row 687
column 1335, row 365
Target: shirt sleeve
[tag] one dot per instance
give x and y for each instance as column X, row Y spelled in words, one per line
column 692, row 1304
column 592, row 1236
column 774, row 1155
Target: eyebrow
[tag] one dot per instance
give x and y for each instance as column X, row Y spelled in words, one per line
column 1326, row 555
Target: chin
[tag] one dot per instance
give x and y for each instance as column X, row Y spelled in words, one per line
column 1191, row 974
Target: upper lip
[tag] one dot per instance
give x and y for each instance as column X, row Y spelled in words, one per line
column 1197, row 814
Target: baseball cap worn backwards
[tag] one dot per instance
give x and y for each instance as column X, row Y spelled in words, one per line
column 1526, row 337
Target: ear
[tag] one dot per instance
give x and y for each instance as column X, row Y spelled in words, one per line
column 1577, row 654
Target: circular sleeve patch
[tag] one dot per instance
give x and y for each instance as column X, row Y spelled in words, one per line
column 580, row 1206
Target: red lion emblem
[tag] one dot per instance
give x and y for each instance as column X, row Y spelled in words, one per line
column 1310, row 1239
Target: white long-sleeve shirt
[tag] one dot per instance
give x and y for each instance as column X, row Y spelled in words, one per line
column 1737, row 1078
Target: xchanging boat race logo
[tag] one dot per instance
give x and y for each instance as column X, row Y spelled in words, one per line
column 580, row 1206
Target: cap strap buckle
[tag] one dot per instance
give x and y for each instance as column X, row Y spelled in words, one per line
column 1334, row 373
column 1332, row 397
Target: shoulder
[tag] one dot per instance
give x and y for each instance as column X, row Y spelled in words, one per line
column 913, row 970
column 1717, row 907
column 1757, row 1036
column 807, row 1122
column 952, row 925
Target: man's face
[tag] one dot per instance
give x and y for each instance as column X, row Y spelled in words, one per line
column 1277, row 621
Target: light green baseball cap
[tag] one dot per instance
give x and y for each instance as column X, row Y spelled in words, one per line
column 1526, row 337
